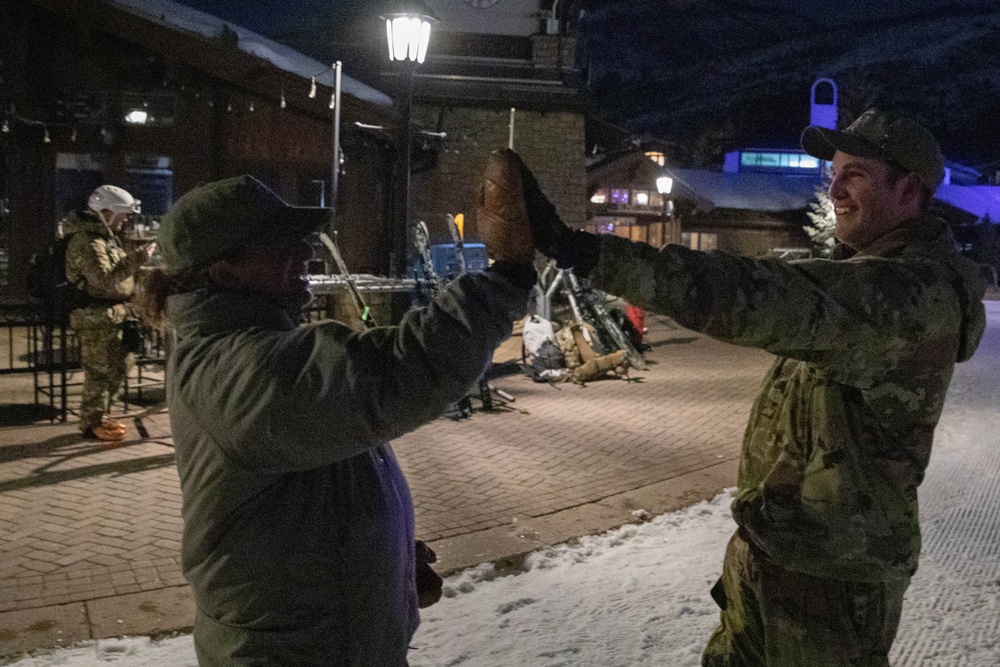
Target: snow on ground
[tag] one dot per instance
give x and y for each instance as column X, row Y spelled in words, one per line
column 638, row 595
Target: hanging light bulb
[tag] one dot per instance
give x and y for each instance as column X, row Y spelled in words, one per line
column 333, row 99
column 283, row 103
column 47, row 139
column 229, row 106
column 251, row 106
column 72, row 137
column 312, row 88
column 6, row 127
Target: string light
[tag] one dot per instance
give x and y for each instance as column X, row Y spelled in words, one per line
column 5, row 126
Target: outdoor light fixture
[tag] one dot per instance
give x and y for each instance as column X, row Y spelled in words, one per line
column 408, row 31
column 664, row 184
column 136, row 117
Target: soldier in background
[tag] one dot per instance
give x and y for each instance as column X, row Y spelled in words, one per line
column 97, row 263
column 841, row 432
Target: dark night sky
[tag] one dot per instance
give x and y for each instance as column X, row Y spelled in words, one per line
column 262, row 15
column 666, row 76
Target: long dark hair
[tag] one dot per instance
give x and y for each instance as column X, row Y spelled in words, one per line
column 156, row 285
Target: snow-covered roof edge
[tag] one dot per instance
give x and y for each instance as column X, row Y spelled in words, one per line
column 978, row 200
column 186, row 18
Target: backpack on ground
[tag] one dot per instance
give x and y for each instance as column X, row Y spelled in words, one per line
column 543, row 360
column 48, row 288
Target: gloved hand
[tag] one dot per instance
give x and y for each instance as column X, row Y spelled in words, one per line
column 571, row 249
column 502, row 218
column 428, row 581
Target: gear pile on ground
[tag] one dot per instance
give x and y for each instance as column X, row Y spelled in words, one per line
column 569, row 354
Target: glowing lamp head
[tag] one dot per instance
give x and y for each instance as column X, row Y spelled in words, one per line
column 408, row 31
column 664, row 184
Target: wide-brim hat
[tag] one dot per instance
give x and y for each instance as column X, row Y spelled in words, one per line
column 217, row 218
column 884, row 136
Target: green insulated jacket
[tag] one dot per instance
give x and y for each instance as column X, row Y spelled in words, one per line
column 841, row 431
column 96, row 261
column 298, row 523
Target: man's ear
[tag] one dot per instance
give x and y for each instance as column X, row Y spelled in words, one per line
column 912, row 192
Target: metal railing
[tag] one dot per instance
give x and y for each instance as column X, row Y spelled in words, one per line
column 48, row 349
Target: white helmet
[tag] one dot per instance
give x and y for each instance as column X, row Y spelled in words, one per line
column 114, row 199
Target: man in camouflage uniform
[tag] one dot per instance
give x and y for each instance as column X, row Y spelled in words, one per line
column 841, row 432
column 100, row 267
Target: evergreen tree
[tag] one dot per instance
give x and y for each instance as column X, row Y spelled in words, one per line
column 823, row 224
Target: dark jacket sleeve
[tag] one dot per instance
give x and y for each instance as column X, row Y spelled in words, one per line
column 330, row 393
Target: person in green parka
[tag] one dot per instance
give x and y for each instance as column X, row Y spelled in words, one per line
column 105, row 275
column 298, row 523
column 840, row 435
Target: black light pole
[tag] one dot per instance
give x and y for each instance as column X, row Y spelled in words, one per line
column 408, row 31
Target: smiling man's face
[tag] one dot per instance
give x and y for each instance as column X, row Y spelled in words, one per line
column 869, row 198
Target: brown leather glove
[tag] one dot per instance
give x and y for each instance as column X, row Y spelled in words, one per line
column 502, row 217
column 428, row 581
column 570, row 248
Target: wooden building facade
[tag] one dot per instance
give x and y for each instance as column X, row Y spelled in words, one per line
column 95, row 91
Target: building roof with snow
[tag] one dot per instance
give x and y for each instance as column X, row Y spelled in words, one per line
column 981, row 201
column 744, row 190
column 182, row 17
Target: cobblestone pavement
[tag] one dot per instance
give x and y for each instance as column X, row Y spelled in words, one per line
column 88, row 535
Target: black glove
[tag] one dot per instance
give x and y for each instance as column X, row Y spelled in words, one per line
column 571, row 249
column 428, row 581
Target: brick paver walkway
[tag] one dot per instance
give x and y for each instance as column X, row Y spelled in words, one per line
column 81, row 524
column 577, row 444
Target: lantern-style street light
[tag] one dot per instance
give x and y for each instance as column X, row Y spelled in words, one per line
column 408, row 32
column 664, row 184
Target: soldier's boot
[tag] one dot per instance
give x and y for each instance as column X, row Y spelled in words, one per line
column 108, row 431
column 103, row 435
column 112, row 424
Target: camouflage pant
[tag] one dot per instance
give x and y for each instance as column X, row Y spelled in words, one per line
column 105, row 365
column 772, row 617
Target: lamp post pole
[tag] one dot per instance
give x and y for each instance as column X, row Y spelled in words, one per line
column 664, row 184
column 408, row 29
column 404, row 141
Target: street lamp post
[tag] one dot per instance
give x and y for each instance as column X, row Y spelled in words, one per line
column 408, row 31
column 664, row 184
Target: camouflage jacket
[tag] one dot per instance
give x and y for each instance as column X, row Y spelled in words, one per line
column 841, row 431
column 98, row 264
